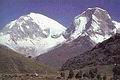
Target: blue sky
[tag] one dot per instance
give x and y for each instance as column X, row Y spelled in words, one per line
column 62, row 11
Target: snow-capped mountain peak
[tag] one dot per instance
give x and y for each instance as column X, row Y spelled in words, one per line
column 32, row 34
column 95, row 23
column 39, row 21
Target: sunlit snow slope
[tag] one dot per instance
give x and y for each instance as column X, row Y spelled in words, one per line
column 32, row 34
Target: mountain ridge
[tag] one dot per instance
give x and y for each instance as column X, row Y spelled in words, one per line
column 88, row 29
column 48, row 41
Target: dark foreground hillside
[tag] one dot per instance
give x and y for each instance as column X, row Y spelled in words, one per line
column 14, row 66
column 12, row 62
column 105, row 53
column 100, row 63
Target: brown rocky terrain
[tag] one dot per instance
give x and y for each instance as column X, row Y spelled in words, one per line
column 105, row 53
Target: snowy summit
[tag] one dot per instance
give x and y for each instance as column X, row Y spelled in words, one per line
column 32, row 34
column 95, row 23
